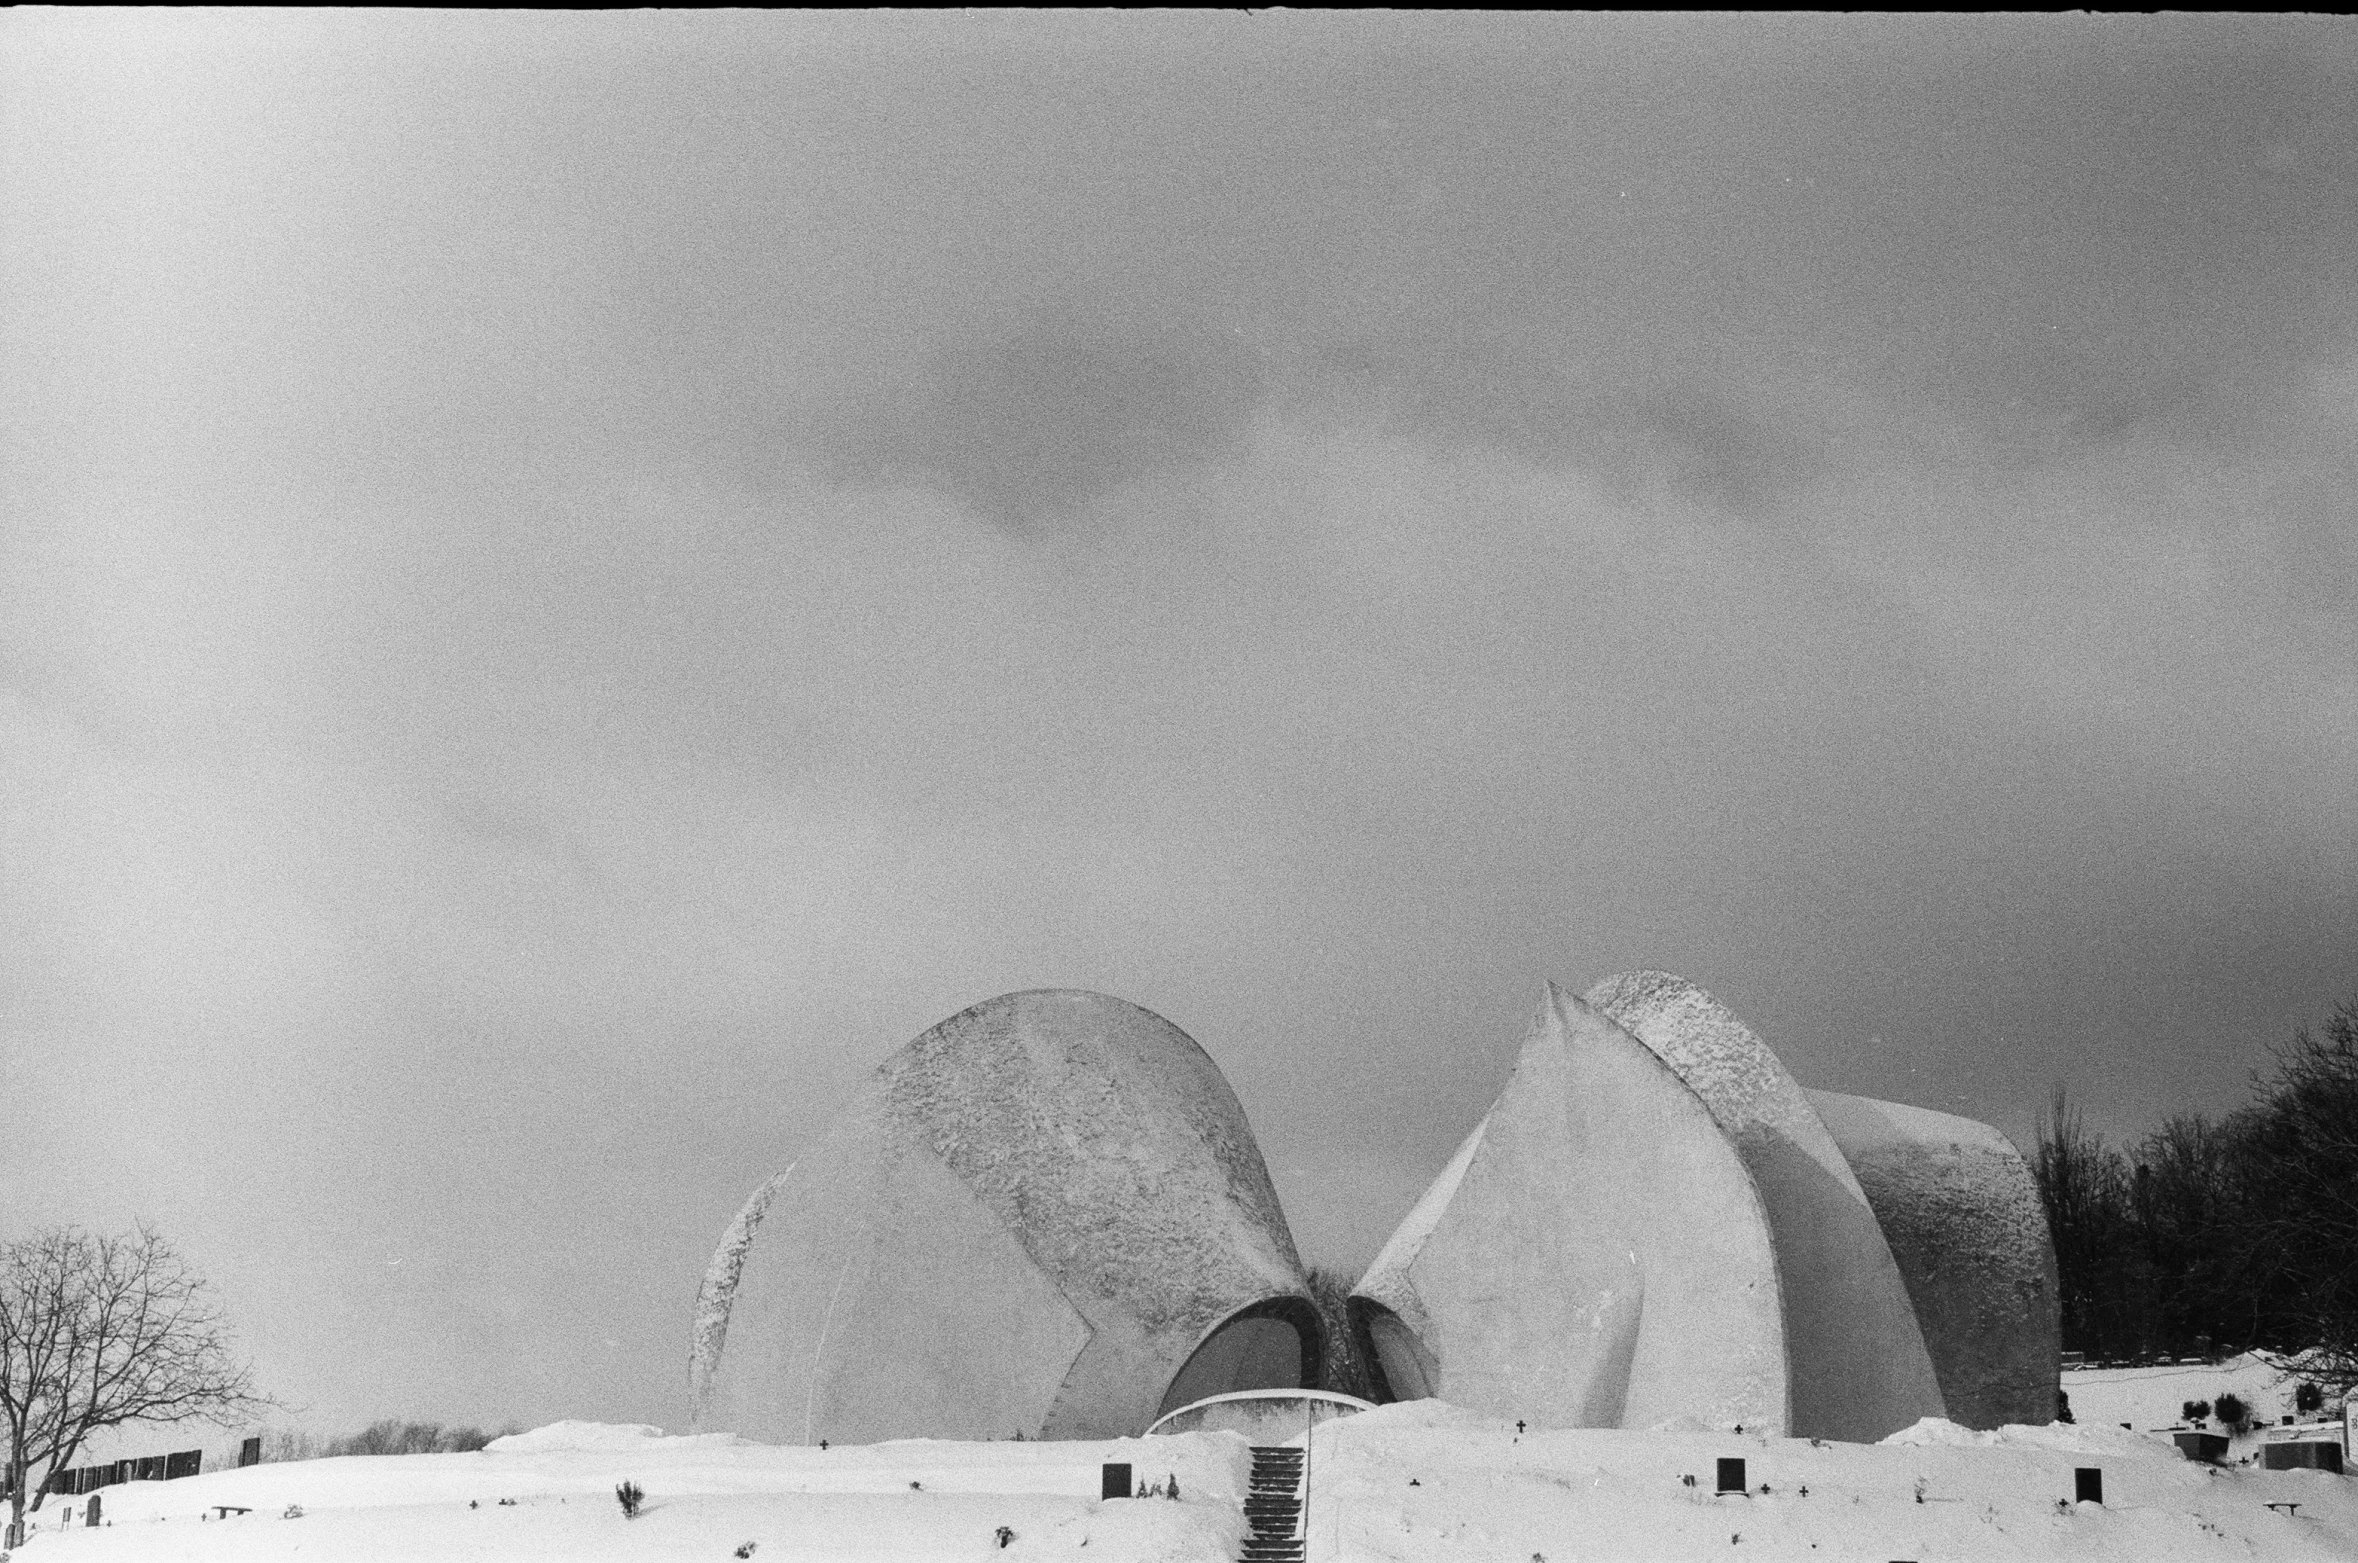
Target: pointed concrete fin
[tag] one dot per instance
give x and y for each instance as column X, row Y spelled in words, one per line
column 1962, row 1215
column 858, row 1298
column 1860, row 1367
column 1386, row 1279
column 1596, row 1255
column 718, row 1294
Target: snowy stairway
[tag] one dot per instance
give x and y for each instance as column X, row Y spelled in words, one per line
column 1274, row 1506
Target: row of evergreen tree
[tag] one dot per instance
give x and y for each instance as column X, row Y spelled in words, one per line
column 2214, row 1236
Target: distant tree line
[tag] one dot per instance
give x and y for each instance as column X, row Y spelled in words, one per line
column 390, row 1436
column 393, row 1436
column 2225, row 1235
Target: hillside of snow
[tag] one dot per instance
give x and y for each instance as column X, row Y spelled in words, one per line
column 1421, row 1481
column 916, row 1500
column 2153, row 1397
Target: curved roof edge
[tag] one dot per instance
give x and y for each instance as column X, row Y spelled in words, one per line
column 718, row 1292
column 1334, row 1397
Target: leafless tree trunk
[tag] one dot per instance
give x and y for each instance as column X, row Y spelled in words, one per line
column 99, row 1330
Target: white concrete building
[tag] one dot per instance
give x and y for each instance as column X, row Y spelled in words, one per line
column 1654, row 1224
column 1046, row 1215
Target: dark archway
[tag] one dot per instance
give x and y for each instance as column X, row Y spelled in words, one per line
column 1399, row 1365
column 1275, row 1344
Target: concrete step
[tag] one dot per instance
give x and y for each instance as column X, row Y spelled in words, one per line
column 1273, row 1506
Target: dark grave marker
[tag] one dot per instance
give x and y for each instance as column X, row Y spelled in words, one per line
column 2087, row 1484
column 2305, row 1454
column 1114, row 1481
column 249, row 1452
column 1731, row 1475
column 90, row 1515
column 2210, row 1448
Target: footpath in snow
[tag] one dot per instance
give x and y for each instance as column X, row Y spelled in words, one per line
column 1420, row 1481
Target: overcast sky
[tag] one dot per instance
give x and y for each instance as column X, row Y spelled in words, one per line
column 568, row 583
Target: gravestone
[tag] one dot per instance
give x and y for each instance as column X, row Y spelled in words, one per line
column 1731, row 1475
column 1114, row 1481
column 2087, row 1484
column 2210, row 1448
column 2302, row 1455
column 249, row 1452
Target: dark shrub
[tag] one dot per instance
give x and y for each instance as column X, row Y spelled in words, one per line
column 393, row 1436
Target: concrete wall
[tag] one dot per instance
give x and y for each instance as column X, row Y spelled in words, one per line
column 1860, row 1370
column 1962, row 1215
column 1594, row 1256
column 1061, row 1177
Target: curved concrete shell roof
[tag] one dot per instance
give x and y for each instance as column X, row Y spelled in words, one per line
column 1594, row 1256
column 1029, row 1220
column 1860, row 1370
column 1963, row 1218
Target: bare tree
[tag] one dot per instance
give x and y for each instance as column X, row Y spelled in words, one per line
column 2302, row 1165
column 1341, row 1368
column 100, row 1330
column 2082, row 1185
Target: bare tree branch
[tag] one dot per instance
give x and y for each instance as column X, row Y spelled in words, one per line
column 100, row 1330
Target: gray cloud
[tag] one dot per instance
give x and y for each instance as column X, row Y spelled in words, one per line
column 567, row 590
column 1032, row 427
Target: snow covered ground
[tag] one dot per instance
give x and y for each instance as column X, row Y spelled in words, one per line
column 1483, row 1493
column 1418, row 1481
column 706, row 1496
column 2153, row 1397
